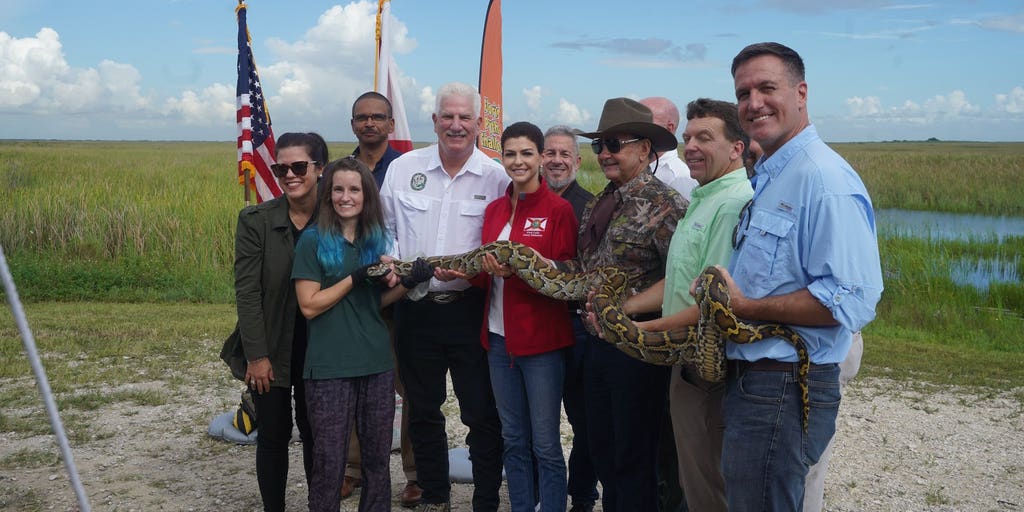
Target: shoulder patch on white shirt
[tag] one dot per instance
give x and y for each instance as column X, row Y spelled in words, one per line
column 418, row 181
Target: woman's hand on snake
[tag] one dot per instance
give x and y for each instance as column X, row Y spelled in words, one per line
column 491, row 265
column 391, row 277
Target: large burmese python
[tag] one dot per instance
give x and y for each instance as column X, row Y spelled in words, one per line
column 702, row 346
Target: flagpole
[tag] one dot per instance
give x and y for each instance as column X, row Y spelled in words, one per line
column 376, row 50
column 247, row 185
column 246, row 176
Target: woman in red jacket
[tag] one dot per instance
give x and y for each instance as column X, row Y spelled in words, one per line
column 524, row 331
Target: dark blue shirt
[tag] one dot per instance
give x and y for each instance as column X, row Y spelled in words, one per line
column 381, row 168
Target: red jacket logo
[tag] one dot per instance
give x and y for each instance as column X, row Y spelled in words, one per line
column 535, row 226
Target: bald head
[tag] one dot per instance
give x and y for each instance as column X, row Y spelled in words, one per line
column 665, row 112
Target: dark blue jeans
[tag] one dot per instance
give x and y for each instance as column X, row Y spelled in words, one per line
column 582, row 485
column 765, row 452
column 528, row 391
column 625, row 401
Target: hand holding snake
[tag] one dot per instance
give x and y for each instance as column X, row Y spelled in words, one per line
column 702, row 346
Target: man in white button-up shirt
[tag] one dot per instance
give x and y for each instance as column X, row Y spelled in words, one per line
column 434, row 200
column 669, row 168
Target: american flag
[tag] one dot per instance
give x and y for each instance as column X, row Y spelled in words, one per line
column 255, row 137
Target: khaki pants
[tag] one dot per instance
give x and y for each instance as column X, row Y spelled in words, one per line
column 696, row 409
column 814, row 486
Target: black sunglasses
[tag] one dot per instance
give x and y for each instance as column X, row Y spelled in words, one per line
column 738, row 233
column 613, row 144
column 298, row 168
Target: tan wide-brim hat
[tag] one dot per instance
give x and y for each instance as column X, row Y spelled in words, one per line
column 626, row 116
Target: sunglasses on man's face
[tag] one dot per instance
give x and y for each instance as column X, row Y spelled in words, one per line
column 613, row 144
column 298, row 168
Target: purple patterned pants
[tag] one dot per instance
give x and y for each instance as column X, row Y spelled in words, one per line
column 334, row 407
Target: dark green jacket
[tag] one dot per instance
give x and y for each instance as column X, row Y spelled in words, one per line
column 264, row 292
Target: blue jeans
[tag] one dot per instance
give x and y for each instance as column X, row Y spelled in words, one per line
column 528, row 392
column 765, row 452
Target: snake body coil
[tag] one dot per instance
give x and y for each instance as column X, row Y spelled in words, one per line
column 702, row 346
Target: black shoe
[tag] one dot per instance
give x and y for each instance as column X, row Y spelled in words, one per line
column 582, row 507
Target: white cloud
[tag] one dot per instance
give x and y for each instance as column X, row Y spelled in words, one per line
column 36, row 78
column 310, row 82
column 208, row 107
column 949, row 106
column 862, row 107
column 570, row 113
column 317, row 76
column 427, row 101
column 1012, row 103
column 1008, row 23
column 954, row 104
column 533, row 96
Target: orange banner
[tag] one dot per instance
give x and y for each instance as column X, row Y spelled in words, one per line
column 490, row 83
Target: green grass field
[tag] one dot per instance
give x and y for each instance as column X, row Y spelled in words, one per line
column 96, row 226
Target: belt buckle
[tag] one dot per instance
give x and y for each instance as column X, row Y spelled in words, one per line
column 443, row 297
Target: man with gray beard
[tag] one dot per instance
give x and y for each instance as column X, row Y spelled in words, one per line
column 561, row 161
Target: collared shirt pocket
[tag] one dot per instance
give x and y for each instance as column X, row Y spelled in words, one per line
column 470, row 223
column 631, row 244
column 473, row 208
column 414, row 215
column 767, row 235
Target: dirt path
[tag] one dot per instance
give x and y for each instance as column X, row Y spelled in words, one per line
column 900, row 448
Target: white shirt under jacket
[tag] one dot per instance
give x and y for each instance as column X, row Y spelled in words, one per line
column 673, row 172
column 432, row 214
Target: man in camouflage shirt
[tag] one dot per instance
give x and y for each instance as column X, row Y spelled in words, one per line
column 629, row 226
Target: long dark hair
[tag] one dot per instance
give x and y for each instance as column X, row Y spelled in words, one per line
column 372, row 238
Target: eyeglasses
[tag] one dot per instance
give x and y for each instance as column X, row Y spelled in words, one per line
column 613, row 144
column 377, row 118
column 738, row 234
column 298, row 168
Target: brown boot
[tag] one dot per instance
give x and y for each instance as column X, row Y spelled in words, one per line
column 348, row 486
column 411, row 495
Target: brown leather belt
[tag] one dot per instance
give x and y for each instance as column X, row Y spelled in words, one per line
column 771, row 365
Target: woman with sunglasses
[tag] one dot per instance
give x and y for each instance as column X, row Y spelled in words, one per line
column 524, row 331
column 349, row 370
column 628, row 226
column 271, row 328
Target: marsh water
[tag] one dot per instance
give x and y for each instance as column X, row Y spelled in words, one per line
column 938, row 226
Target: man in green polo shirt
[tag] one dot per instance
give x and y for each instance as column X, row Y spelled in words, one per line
column 713, row 151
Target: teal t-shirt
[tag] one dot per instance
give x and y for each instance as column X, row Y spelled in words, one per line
column 350, row 339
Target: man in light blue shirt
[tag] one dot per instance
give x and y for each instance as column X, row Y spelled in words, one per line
column 806, row 256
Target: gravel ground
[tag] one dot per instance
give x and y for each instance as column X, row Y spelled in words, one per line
column 900, row 447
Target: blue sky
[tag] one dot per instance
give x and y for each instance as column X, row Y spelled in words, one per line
column 165, row 69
